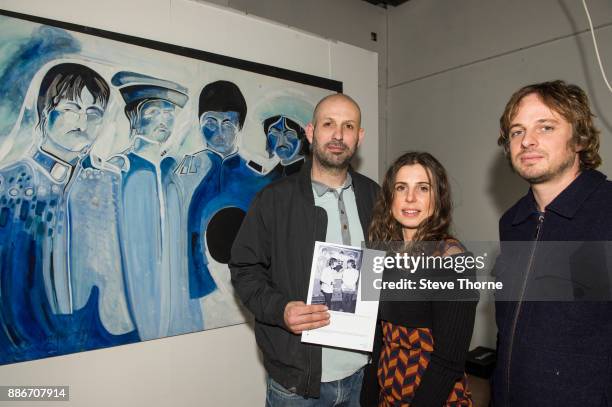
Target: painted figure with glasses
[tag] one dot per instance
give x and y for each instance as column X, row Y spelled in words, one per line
column 39, row 315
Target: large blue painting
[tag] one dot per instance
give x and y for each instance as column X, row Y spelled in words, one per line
column 126, row 167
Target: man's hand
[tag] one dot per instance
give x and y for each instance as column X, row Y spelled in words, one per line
column 301, row 317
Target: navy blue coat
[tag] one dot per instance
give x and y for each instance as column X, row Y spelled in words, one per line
column 553, row 353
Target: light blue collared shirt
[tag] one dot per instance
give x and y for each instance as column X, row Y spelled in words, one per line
column 343, row 227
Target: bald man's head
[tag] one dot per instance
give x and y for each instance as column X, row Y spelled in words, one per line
column 335, row 132
column 331, row 99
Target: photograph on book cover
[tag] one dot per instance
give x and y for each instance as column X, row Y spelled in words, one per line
column 126, row 167
column 335, row 281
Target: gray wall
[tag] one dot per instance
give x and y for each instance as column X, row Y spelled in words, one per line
column 452, row 67
column 446, row 70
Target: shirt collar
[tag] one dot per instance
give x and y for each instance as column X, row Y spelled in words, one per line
column 568, row 202
column 59, row 170
column 320, row 188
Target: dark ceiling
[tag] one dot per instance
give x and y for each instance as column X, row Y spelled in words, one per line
column 386, row 3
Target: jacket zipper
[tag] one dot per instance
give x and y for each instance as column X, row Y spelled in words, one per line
column 520, row 302
column 309, row 368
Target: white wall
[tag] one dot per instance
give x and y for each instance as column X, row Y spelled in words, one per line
column 218, row 367
column 452, row 67
column 349, row 21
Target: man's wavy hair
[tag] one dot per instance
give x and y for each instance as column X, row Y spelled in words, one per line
column 571, row 102
column 385, row 228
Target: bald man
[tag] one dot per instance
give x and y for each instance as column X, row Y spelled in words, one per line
column 272, row 254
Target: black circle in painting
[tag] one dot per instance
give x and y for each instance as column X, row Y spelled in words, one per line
column 221, row 232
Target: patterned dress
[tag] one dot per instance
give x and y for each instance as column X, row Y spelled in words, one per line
column 404, row 357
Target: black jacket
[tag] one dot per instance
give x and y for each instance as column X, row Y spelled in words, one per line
column 553, row 353
column 270, row 266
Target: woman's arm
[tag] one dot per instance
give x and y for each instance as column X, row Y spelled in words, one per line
column 452, row 327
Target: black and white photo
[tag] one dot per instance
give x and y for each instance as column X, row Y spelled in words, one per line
column 336, row 277
column 335, row 281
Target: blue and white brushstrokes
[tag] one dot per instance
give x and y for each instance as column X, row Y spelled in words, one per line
column 124, row 175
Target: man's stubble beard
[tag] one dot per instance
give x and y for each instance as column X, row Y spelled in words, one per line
column 328, row 162
column 549, row 174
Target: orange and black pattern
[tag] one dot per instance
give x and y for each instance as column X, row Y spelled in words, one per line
column 403, row 360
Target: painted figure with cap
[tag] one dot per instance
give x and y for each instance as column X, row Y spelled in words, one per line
column 153, row 244
column 283, row 117
column 286, row 140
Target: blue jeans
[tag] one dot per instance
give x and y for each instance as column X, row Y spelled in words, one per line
column 341, row 393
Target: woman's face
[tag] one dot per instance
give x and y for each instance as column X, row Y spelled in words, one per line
column 412, row 198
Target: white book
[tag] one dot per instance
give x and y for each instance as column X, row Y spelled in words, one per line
column 336, row 280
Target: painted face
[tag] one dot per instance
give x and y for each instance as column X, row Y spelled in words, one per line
column 74, row 123
column 541, row 143
column 156, row 120
column 336, row 135
column 219, row 130
column 282, row 140
column 412, row 198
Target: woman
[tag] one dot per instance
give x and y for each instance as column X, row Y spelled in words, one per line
column 420, row 346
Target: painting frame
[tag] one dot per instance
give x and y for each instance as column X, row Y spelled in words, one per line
column 219, row 59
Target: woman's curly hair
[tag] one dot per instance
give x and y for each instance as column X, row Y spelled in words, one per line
column 385, row 228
